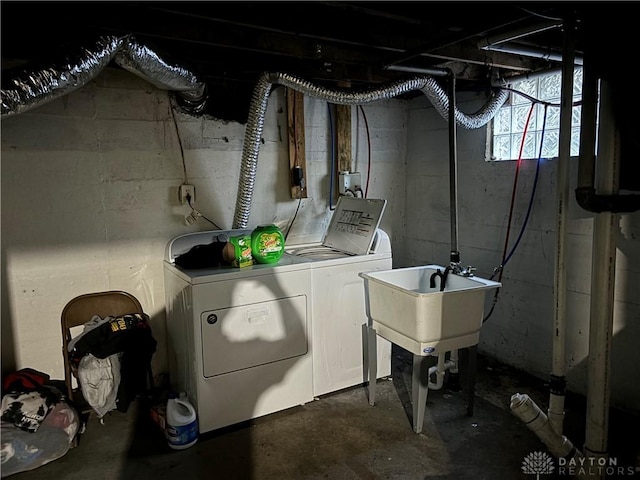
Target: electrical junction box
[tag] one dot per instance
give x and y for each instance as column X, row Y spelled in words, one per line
column 349, row 183
column 186, row 194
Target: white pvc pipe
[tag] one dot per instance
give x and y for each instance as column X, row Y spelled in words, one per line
column 602, row 285
column 525, row 408
column 440, row 369
column 487, row 43
column 558, row 369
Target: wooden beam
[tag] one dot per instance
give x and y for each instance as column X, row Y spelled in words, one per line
column 343, row 137
column 295, row 129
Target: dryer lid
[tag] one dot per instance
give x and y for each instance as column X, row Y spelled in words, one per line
column 354, row 224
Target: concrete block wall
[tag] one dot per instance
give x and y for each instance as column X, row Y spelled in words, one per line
column 519, row 331
column 89, row 202
column 89, row 197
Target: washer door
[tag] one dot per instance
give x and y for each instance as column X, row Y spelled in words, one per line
column 246, row 336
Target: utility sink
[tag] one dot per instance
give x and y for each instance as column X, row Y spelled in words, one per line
column 404, row 309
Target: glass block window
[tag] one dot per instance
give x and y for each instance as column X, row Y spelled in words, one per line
column 508, row 125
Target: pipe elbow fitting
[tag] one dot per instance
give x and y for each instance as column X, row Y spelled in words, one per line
column 590, row 201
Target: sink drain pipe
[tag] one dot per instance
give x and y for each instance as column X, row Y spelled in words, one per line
column 440, row 369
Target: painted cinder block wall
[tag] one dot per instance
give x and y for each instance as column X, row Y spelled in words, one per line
column 89, row 203
column 519, row 331
column 89, row 197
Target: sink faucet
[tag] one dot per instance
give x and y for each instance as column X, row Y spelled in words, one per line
column 457, row 268
column 443, row 278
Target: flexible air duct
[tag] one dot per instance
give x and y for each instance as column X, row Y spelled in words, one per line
column 32, row 89
column 145, row 63
column 258, row 107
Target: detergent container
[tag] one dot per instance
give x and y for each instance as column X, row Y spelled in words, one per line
column 267, row 244
column 182, row 425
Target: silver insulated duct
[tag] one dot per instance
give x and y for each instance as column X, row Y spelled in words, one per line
column 31, row 89
column 145, row 63
column 258, row 107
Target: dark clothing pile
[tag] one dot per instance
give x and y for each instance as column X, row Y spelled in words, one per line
column 130, row 337
column 26, row 400
column 38, row 424
column 203, row 256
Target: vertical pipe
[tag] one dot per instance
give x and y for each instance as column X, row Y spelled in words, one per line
column 453, row 168
column 588, row 121
column 602, row 283
column 557, row 383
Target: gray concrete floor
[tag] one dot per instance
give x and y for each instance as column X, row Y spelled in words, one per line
column 340, row 436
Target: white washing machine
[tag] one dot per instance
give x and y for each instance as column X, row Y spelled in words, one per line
column 239, row 339
column 353, row 243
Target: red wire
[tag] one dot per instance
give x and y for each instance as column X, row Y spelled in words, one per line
column 513, row 194
column 366, row 188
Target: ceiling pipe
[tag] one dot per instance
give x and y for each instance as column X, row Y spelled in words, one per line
column 487, row 43
column 421, row 70
column 501, row 82
column 505, row 42
column 529, row 51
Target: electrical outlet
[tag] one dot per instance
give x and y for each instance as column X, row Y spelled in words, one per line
column 185, row 191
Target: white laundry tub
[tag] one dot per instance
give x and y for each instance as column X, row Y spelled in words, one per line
column 404, row 308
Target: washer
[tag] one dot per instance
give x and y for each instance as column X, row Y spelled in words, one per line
column 353, row 243
column 239, row 339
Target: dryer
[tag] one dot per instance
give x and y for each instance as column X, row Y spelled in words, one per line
column 353, row 243
column 238, row 338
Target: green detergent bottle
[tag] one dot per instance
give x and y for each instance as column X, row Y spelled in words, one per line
column 267, row 244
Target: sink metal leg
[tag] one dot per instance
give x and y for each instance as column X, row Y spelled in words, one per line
column 420, row 388
column 372, row 353
column 472, row 360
